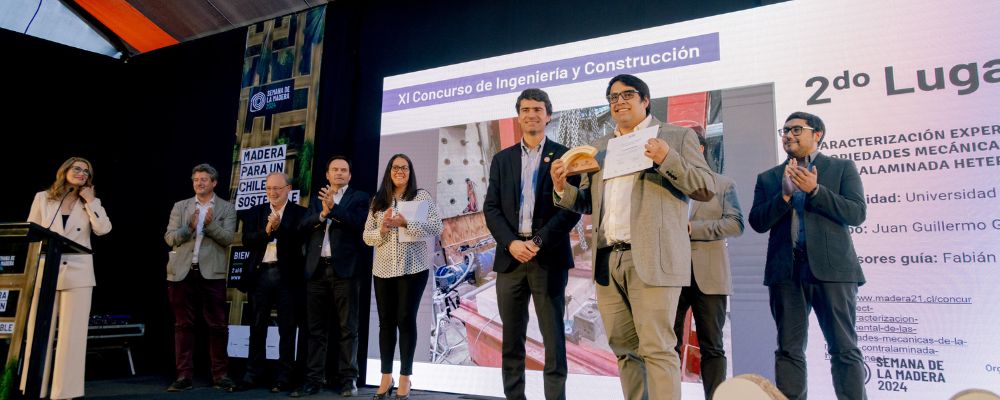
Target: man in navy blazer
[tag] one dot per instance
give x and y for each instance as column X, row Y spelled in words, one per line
column 533, row 254
column 272, row 232
column 334, row 223
column 807, row 204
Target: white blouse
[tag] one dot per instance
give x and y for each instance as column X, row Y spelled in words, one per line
column 394, row 258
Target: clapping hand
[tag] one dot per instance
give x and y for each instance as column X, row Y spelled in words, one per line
column 273, row 222
column 208, row 216
column 193, row 224
column 326, row 196
column 787, row 186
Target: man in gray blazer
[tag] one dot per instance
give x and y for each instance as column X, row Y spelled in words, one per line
column 711, row 223
column 200, row 231
column 643, row 255
column 807, row 204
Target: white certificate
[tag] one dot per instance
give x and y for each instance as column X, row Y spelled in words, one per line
column 413, row 211
column 626, row 153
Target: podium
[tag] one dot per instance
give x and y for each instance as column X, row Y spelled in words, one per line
column 22, row 246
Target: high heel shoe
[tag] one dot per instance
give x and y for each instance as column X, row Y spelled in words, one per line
column 385, row 395
column 409, row 387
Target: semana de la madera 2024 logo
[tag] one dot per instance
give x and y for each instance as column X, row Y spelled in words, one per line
column 274, row 97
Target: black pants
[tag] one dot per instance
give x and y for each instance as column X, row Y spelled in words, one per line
column 332, row 298
column 834, row 303
column 272, row 290
column 514, row 290
column 398, row 300
column 709, row 313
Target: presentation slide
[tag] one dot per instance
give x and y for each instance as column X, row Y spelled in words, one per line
column 908, row 91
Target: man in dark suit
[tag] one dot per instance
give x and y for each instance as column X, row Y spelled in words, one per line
column 533, row 251
column 335, row 224
column 807, row 204
column 271, row 231
column 711, row 283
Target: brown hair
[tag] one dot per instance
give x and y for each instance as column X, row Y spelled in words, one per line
column 60, row 187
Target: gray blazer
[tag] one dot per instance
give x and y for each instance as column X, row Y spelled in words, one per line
column 214, row 250
column 711, row 223
column 661, row 249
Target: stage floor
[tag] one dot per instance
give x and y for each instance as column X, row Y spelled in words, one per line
column 153, row 388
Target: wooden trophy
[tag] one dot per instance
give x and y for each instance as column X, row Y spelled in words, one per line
column 580, row 160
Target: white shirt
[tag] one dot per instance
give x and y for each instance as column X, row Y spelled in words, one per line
column 618, row 199
column 200, row 229
column 325, row 252
column 271, row 254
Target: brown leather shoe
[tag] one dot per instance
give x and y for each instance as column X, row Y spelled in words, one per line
column 180, row 385
column 225, row 384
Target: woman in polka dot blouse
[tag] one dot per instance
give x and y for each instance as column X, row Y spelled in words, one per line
column 400, row 268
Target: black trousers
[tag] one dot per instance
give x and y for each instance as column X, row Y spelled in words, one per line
column 709, row 313
column 514, row 291
column 398, row 300
column 331, row 298
column 834, row 303
column 272, row 291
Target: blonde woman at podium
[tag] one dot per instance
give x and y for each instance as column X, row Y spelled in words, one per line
column 69, row 207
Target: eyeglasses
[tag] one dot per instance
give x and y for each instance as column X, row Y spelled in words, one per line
column 625, row 94
column 275, row 188
column 78, row 170
column 400, row 168
column 795, row 130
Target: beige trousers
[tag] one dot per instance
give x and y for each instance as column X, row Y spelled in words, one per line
column 639, row 321
column 71, row 312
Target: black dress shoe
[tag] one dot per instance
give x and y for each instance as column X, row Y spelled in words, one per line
column 349, row 389
column 225, row 384
column 246, row 384
column 279, row 387
column 308, row 389
column 180, row 385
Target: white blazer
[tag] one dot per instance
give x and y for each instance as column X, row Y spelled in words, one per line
column 75, row 270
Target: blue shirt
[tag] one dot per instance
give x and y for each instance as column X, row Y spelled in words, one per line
column 530, row 162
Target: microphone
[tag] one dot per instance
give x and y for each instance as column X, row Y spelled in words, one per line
column 59, row 208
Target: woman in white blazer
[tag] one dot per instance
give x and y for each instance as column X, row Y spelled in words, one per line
column 70, row 208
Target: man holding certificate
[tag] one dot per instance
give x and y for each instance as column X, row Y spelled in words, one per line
column 640, row 216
